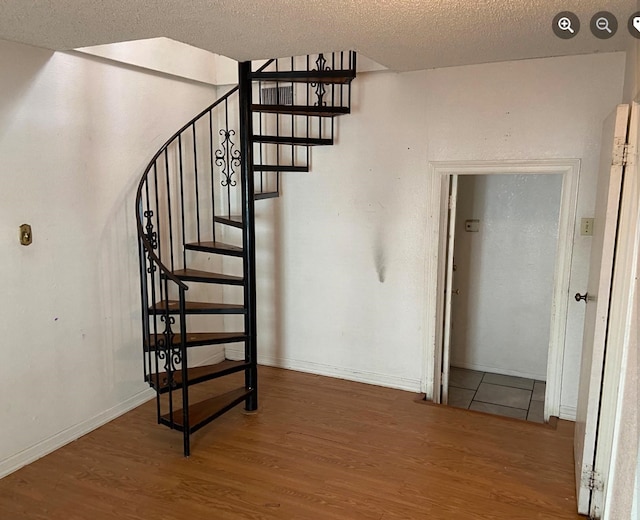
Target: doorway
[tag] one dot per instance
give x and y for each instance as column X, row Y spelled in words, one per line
column 504, row 238
column 441, row 173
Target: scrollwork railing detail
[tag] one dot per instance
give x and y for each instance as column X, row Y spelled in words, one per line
column 152, row 236
column 227, row 158
column 167, row 352
column 320, row 90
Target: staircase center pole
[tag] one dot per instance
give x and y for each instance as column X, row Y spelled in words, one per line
column 248, row 231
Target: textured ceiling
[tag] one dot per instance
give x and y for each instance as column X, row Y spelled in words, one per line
column 400, row 34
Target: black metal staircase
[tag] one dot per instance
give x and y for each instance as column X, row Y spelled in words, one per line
column 196, row 226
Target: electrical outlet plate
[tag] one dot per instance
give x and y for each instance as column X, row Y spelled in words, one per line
column 25, row 235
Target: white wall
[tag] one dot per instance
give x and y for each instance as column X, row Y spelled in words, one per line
column 75, row 135
column 170, row 57
column 345, row 292
column 505, row 271
column 632, row 70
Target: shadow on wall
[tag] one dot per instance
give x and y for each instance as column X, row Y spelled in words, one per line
column 119, row 296
column 471, row 203
column 279, row 280
column 271, row 280
column 14, row 86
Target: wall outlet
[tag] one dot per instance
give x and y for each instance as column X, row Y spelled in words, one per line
column 586, row 227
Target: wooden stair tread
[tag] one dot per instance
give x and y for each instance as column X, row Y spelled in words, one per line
column 279, row 168
column 195, row 275
column 210, row 246
column 305, row 76
column 206, row 411
column 195, row 339
column 301, row 110
column 232, row 220
column 173, row 307
column 198, row 374
column 297, row 141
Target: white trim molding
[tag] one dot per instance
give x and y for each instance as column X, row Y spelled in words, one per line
column 439, row 173
column 568, row 413
column 359, row 376
column 51, row 444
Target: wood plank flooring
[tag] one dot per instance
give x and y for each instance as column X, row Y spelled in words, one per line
column 319, row 448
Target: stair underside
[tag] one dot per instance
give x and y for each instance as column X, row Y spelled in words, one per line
column 194, row 275
column 202, row 413
column 279, row 168
column 195, row 375
column 266, row 195
column 214, row 247
column 233, row 220
column 297, row 141
column 305, row 76
column 196, row 339
column 301, row 110
column 173, row 307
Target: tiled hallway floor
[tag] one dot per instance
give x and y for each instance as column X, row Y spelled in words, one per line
column 509, row 396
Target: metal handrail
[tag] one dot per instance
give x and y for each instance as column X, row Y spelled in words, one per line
column 140, row 225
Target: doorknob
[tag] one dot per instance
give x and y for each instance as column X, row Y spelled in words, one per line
column 582, row 297
column 456, row 291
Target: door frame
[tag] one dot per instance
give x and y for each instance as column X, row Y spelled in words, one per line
column 449, row 236
column 439, row 172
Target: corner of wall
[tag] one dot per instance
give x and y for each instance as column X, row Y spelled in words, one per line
column 631, row 89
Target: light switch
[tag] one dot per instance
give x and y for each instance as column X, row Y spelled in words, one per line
column 472, row 226
column 586, row 227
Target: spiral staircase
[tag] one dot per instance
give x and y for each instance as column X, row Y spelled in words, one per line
column 196, row 228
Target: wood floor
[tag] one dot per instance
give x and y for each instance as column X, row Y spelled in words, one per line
column 320, row 448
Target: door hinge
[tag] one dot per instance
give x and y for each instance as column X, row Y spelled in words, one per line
column 450, row 201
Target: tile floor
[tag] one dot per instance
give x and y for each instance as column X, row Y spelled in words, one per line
column 510, row 396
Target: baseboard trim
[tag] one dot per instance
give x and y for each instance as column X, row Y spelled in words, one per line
column 234, row 352
column 494, row 370
column 39, row 450
column 568, row 413
column 359, row 376
column 216, row 358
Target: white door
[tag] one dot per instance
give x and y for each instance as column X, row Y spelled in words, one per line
column 446, row 333
column 598, row 292
column 616, row 445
